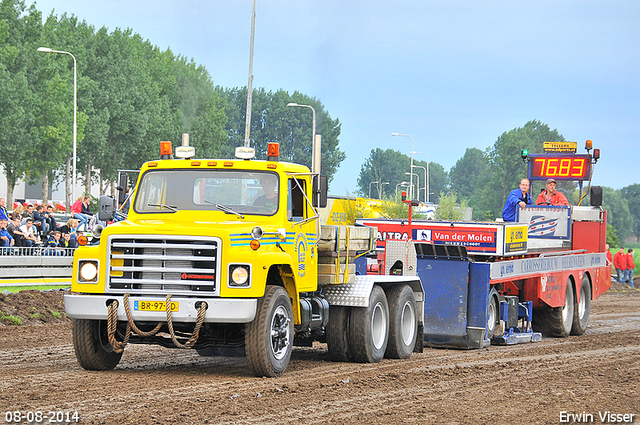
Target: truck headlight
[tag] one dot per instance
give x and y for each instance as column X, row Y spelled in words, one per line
column 239, row 275
column 88, row 271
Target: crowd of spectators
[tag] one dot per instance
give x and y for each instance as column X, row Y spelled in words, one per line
column 38, row 227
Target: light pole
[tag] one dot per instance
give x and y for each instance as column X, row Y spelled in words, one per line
column 381, row 189
column 427, row 185
column 403, row 184
column 370, row 183
column 425, row 180
column 411, row 179
column 417, row 182
column 316, row 161
column 75, row 113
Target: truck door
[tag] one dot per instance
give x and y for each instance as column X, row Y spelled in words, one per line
column 303, row 232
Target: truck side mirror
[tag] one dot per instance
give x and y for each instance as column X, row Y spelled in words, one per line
column 123, row 184
column 320, row 189
column 107, row 208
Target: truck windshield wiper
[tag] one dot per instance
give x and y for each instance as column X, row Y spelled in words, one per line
column 224, row 209
column 170, row 207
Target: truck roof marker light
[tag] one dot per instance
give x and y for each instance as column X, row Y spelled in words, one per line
column 193, row 163
column 212, row 163
column 228, row 164
column 272, row 166
column 185, row 152
column 165, row 150
column 152, row 164
column 245, row 152
column 273, row 151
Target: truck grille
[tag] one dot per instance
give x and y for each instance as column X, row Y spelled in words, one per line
column 163, row 264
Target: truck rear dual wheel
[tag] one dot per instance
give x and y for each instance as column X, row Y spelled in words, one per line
column 91, row 345
column 369, row 329
column 582, row 308
column 557, row 321
column 338, row 334
column 403, row 322
column 269, row 337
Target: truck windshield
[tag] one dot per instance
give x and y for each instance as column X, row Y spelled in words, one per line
column 230, row 191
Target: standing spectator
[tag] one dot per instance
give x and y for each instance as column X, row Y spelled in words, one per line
column 6, row 240
column 30, row 239
column 620, row 264
column 517, row 197
column 630, row 266
column 14, row 229
column 550, row 196
column 4, row 214
column 609, row 259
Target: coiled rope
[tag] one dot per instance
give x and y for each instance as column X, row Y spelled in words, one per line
column 112, row 324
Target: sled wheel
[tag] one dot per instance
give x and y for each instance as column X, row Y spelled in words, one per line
column 582, row 308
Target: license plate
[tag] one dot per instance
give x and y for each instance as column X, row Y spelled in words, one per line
column 154, row 306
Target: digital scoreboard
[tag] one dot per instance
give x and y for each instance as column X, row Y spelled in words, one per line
column 559, row 166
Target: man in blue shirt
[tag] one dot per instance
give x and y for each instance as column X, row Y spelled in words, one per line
column 517, row 197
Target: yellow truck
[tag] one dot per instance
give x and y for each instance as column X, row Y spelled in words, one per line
column 227, row 256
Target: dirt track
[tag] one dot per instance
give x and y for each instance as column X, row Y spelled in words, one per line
column 530, row 383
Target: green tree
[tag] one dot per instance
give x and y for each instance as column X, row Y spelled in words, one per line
column 618, row 214
column 382, row 166
column 632, row 195
column 449, row 208
column 506, row 167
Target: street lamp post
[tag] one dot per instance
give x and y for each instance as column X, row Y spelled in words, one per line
column 381, row 189
column 417, row 183
column 403, row 184
column 370, row 183
column 75, row 113
column 411, row 179
column 427, row 185
column 316, row 161
column 425, row 180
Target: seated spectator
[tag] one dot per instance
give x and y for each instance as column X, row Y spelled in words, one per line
column 54, row 244
column 76, row 210
column 40, row 220
column 6, row 240
column 4, row 214
column 51, row 220
column 68, row 242
column 30, row 239
column 91, row 219
column 549, row 195
column 14, row 229
column 26, row 213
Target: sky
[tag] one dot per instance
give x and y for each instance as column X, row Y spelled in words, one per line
column 451, row 74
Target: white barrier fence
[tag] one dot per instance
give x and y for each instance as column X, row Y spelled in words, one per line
column 34, row 262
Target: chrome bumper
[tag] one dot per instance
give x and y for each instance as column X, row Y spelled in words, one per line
column 219, row 310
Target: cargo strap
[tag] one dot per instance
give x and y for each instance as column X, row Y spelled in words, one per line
column 112, row 323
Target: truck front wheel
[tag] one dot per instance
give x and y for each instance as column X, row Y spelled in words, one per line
column 91, row 345
column 403, row 322
column 369, row 328
column 268, row 338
